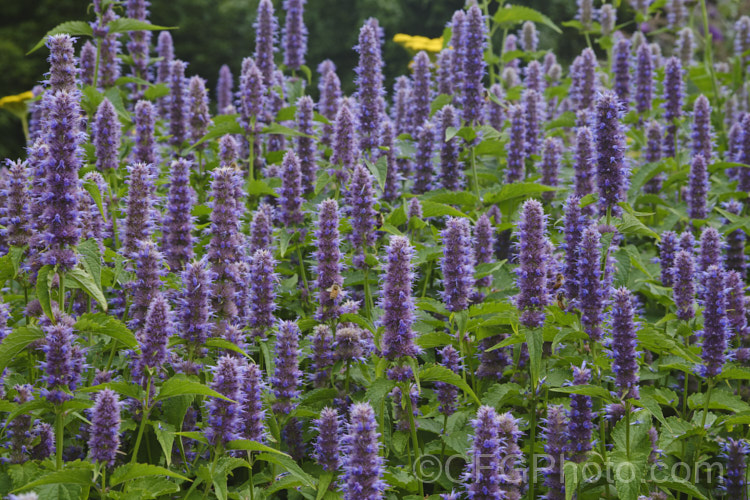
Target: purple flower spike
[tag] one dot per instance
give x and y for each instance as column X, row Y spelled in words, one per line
column 328, row 104
column 138, row 46
column 266, row 29
column 144, row 150
column 397, row 302
column 109, row 60
column 744, row 154
column 286, row 378
column 194, row 303
column 252, row 90
column 607, row 19
column 484, row 247
column 17, row 210
column 685, row 47
column 458, row 39
column 104, row 433
column 261, row 229
column 178, row 112
column 106, row 136
column 87, row 62
column 585, row 13
column 224, row 422
column 290, row 193
column 534, row 79
column 165, row 50
column 591, row 291
column 228, row 150
column 414, row 209
column 551, row 157
column 698, row 188
column 624, row 344
column 483, row 471
column 360, row 201
column 199, row 118
column 327, row 443
column 322, row 355
column 224, row 89
column 585, row 166
column 139, row 211
column 511, row 45
column 711, row 246
column 667, row 250
column 473, row 65
column 534, row 116
column 177, row 225
column 581, row 418
column 423, row 158
column 447, row 394
column 654, row 134
column 295, row 34
column 676, row 13
column 306, row 150
column 362, row 465
column 44, row 436
column 529, row 37
column 575, row 222
column 532, row 268
column 736, row 259
column 262, row 292
column 496, row 112
column 153, row 339
column 62, row 65
column 644, row 80
column 252, row 392
column 515, row 170
column 736, row 307
column 702, row 136
column 621, row 69
column 64, row 138
column 457, row 264
column 445, row 72
column 391, row 190
column 225, row 246
column 401, row 104
column 583, row 75
column 421, row 90
column 735, row 483
column 556, row 435
column 673, row 99
column 60, row 361
column 612, row 173
column 344, row 140
column 683, row 275
column 328, row 258
column 369, row 87
column 148, row 269
column 715, row 322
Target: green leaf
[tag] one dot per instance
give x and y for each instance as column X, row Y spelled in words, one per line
column 165, row 435
column 75, row 28
column 84, row 279
column 632, row 225
column 679, row 484
column 734, row 373
column 437, row 373
column 534, row 341
column 323, row 483
column 179, row 385
column 287, row 463
column 516, row 190
column 377, row 391
column 570, row 470
column 277, row 129
column 225, row 344
column 223, row 125
column 439, row 102
column 92, row 259
column 585, row 390
column 129, row 472
column 248, row 445
column 258, row 187
column 96, row 195
column 156, row 91
column 125, row 24
column 104, row 324
column 514, row 14
column 565, row 120
column 66, row 476
column 432, row 209
column 628, row 475
column 42, row 291
column 379, row 170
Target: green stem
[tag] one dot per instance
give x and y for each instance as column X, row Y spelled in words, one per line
column 61, row 289
column 59, row 434
column 144, row 418
column 627, row 430
column 426, row 279
column 25, row 127
column 702, row 433
column 217, row 452
column 302, row 265
column 368, row 294
column 474, row 171
column 98, row 58
column 532, row 441
column 417, row 453
column 442, row 447
column 104, row 482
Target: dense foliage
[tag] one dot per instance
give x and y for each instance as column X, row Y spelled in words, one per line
column 494, row 279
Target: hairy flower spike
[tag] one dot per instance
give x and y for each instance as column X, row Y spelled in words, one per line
column 286, row 378
column 423, row 166
column 534, row 116
column 715, row 322
column 510, row 456
column 457, row 264
column 109, row 44
column 702, row 136
column 698, row 188
column 61, row 358
column 532, row 258
column 447, row 394
column 224, row 90
column 652, row 154
column 362, row 465
column 328, row 441
column 736, row 307
column 515, row 170
column 612, row 171
column 290, row 193
column 484, row 247
column 261, row 229
column 224, row 422
column 391, row 189
column 87, row 62
column 583, row 75
column 556, row 435
column 676, row 13
column 262, row 292
column 495, row 111
column 735, row 452
column 473, row 65
column 177, row 225
column 673, row 99
column 585, row 13
column 322, row 355
column 735, row 252
column 144, row 150
column 198, row 116
column 194, row 303
column 295, row 34
column 607, row 19
column 421, row 90
column 106, row 136
column 458, row 41
column 581, row 417
column 591, row 290
column 446, row 71
column 328, row 257
column 306, row 149
column 574, row 224
column 667, row 251
column 683, row 275
column 148, row 269
column 17, row 213
column 483, row 472
column 369, row 88
column 157, row 329
column 104, row 433
column 252, row 394
column 624, row 344
column 138, row 46
column 644, row 85
column 551, row 159
column 251, row 93
column 266, row 29
column 360, row 200
column 585, row 162
column 330, row 94
column 396, row 300
column 621, row 69
column 139, row 211
column 344, row 140
column 711, row 245
column 178, row 112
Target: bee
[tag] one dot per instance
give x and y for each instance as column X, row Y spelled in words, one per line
column 561, row 300
column 381, row 219
column 559, row 281
column 334, row 291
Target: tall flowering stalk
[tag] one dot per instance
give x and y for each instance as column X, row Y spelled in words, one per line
column 457, row 264
column 621, row 69
column 458, row 40
column 198, row 116
column 139, row 207
column 581, row 417
column 447, row 394
column 683, row 276
column 224, row 422
column 556, row 436
column 178, row 221
column 144, row 150
column 574, row 224
column 711, row 245
column 295, row 34
column 165, row 51
column 591, row 290
column 62, row 65
column 653, row 153
column 484, row 247
column 224, row 90
column 327, row 444
column 735, row 251
column 344, row 141
column 624, row 344
column 61, row 361
column 667, row 252
column 534, row 117
column 266, row 29
column 532, row 269
column 149, row 268
column 369, row 88
column 328, row 261
column 495, row 111
column 421, row 90
column 158, row 327
column 360, row 201
column 104, row 432
column 262, row 292
column 322, row 355
column 583, row 75
column 423, row 167
column 138, row 46
column 330, row 94
column 178, row 112
column 251, row 94
column 473, row 65
column 261, row 229
column 714, row 335
column 445, row 71
column 483, row 472
column 16, row 214
column 228, row 151
column 510, row 456
column 397, row 302
column 109, row 45
column 290, row 193
column 306, row 150
column 106, row 136
column 252, row 393
column 194, row 304
column 644, row 84
column 698, row 188
column 701, row 135
column 362, row 464
column 735, row 452
column 391, row 190
column 285, row 380
column 673, row 98
column 585, row 162
column 610, row 154
column 516, row 165
column 551, row 158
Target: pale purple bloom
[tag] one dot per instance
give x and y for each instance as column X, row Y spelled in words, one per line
column 457, row 264
column 177, row 225
column 328, row 260
column 532, row 258
column 286, row 378
column 397, row 302
column 105, row 132
column 295, row 34
column 327, row 444
column 362, row 465
column 104, row 432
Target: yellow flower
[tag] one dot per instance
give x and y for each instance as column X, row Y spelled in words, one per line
column 16, row 104
column 417, row 43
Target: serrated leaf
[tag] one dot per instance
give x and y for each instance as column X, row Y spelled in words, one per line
column 516, row 190
column 432, row 209
column 290, row 466
column 377, row 391
column 84, row 279
column 632, row 225
column 379, row 170
column 258, row 187
column 570, row 470
column 125, row 24
column 92, row 259
column 248, row 445
column 437, row 373
column 223, row 125
column 178, row 386
column 225, row 344
column 514, row 14
column 156, row 91
column 74, row 28
column 96, row 195
column 534, row 341
column 128, row 472
column 66, row 476
column 585, row 390
column 165, row 435
column 104, row 324
column 277, row 129
column 42, row 291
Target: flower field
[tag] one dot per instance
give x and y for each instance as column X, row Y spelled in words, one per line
column 501, row 277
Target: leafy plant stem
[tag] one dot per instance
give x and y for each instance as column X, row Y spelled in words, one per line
column 59, row 431
column 144, row 418
column 474, row 171
column 532, row 440
column 406, row 392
